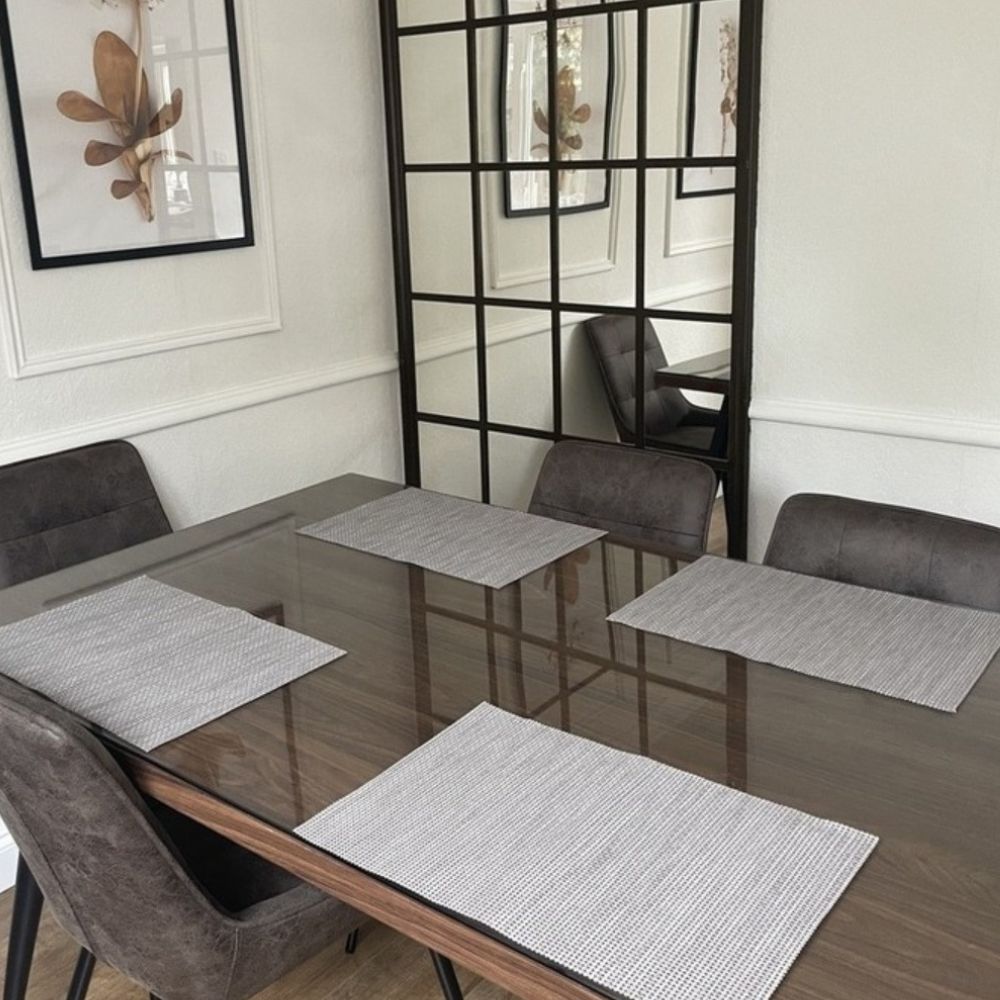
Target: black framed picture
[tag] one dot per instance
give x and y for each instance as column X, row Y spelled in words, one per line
column 712, row 95
column 128, row 124
column 585, row 101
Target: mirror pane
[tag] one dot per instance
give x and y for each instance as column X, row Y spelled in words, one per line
column 597, row 244
column 589, row 407
column 689, row 247
column 413, row 12
column 445, row 343
column 449, row 460
column 440, row 206
column 519, row 367
column 435, row 104
column 514, row 465
column 515, row 250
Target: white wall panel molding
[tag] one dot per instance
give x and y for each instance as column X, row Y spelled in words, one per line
column 197, row 408
column 606, row 261
column 864, row 420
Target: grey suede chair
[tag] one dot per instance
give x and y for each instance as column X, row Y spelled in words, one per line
column 899, row 549
column 66, row 508
column 657, row 500
column 669, row 417
column 56, row 511
column 209, row 922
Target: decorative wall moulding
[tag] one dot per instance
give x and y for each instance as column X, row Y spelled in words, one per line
column 501, row 280
column 203, row 407
column 23, row 362
column 887, row 423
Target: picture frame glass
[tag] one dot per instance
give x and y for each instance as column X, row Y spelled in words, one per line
column 712, row 95
column 585, row 99
column 131, row 126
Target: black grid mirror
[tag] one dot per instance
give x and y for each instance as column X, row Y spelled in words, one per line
column 555, row 165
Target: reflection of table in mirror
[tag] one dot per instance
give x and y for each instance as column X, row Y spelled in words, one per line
column 708, row 373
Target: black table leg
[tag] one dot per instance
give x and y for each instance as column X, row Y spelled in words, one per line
column 81, row 976
column 352, row 941
column 446, row 976
column 23, row 932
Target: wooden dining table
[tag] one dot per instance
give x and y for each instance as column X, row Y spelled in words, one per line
column 920, row 922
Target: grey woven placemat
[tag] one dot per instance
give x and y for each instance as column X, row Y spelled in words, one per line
column 916, row 650
column 149, row 663
column 487, row 545
column 648, row 882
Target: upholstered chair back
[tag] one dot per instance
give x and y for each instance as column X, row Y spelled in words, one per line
column 101, row 860
column 906, row 551
column 657, row 500
column 67, row 508
column 612, row 340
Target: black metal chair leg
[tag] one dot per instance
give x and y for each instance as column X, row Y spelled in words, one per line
column 81, row 976
column 352, row 941
column 446, row 977
column 23, row 932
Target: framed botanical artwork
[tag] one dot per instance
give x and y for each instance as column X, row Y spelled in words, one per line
column 712, row 90
column 585, row 101
column 128, row 125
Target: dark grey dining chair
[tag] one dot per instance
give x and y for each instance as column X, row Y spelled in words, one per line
column 208, row 921
column 660, row 501
column 669, row 417
column 64, row 509
column 899, row 549
column 57, row 511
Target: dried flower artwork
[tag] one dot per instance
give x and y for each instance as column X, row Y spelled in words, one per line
column 125, row 108
column 571, row 121
column 729, row 69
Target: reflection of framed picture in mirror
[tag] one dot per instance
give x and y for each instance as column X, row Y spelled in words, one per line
column 585, row 101
column 713, row 71
column 128, row 126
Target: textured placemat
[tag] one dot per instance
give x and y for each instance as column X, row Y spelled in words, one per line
column 647, row 882
column 916, row 650
column 487, row 545
column 149, row 663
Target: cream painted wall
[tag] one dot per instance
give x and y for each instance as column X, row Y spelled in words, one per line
column 877, row 360
column 294, row 380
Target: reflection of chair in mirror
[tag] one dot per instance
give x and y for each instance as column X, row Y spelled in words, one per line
column 669, row 418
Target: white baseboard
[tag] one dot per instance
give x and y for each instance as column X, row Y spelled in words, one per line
column 8, row 860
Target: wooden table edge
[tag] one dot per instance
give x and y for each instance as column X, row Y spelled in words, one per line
column 462, row 943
